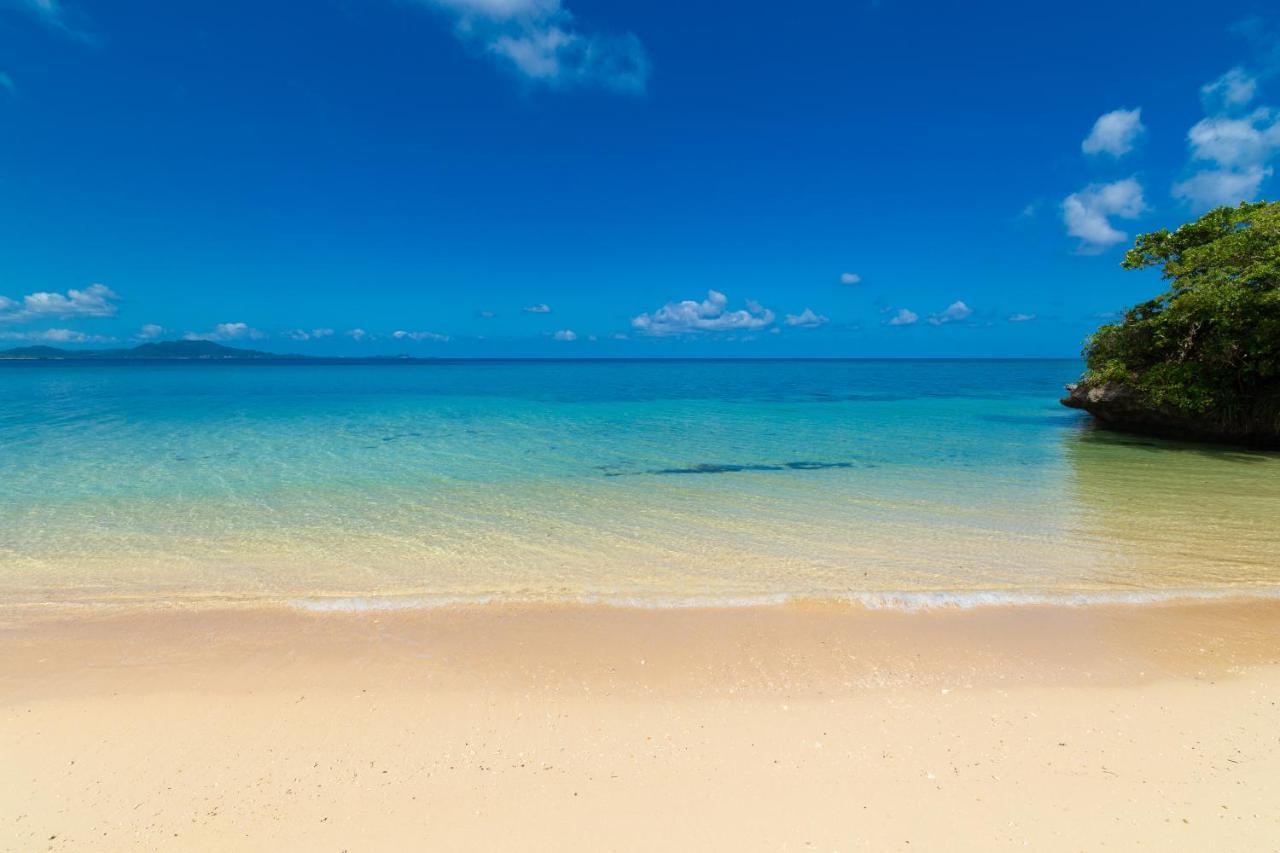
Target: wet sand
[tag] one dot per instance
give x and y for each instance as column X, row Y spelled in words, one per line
column 552, row 728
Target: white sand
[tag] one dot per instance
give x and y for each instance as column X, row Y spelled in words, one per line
column 562, row 729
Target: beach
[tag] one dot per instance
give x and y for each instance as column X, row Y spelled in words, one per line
column 582, row 427
column 832, row 605
column 805, row 726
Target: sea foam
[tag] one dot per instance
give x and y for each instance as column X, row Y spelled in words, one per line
column 906, row 601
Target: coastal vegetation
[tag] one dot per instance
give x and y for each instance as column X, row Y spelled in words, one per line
column 1202, row 359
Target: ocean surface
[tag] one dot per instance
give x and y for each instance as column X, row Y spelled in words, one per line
column 672, row 483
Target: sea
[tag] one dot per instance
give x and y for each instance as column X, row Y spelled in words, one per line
column 334, row 485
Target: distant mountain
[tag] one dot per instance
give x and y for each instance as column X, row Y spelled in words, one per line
column 207, row 350
column 34, row 352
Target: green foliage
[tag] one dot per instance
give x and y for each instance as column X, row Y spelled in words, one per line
column 1210, row 345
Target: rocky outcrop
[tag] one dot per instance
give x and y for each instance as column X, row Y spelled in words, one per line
column 1118, row 406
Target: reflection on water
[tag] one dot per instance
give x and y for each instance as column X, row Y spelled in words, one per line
column 1159, row 512
column 660, row 482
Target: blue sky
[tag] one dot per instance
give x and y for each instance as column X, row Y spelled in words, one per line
column 887, row 178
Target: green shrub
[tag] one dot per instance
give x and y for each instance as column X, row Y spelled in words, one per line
column 1210, row 345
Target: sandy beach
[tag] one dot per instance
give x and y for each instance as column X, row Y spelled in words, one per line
column 551, row 728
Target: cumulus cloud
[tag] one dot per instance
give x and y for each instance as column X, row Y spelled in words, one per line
column 566, row 335
column 903, row 317
column 850, row 278
column 1236, row 142
column 1088, row 213
column 56, row 336
column 1217, row 187
column 356, row 334
column 1114, row 133
column 953, row 313
column 307, row 334
column 709, row 315
column 1236, row 152
column 1233, row 89
column 227, row 332
column 96, row 300
column 1021, row 318
column 149, row 332
column 806, row 319
column 401, row 334
column 540, row 308
column 543, row 42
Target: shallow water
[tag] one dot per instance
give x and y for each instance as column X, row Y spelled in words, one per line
column 895, row 483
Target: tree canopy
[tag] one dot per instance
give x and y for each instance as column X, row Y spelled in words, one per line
column 1210, row 345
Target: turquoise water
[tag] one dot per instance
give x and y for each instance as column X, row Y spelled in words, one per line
column 665, row 483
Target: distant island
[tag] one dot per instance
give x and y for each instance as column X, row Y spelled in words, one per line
column 160, row 350
column 1202, row 360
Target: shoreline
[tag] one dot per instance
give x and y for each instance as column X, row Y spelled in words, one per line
column 1166, row 632
column 902, row 600
column 809, row 642
column 574, row 727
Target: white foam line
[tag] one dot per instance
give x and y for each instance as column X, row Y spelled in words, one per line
column 909, row 601
column 969, row 600
column 357, row 604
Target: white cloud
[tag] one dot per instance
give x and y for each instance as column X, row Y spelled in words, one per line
column 904, row 317
column 51, row 13
column 1235, row 88
column 540, row 308
column 1217, row 187
column 1021, row 318
column 954, row 313
column 1236, row 142
column 678, row 318
column 850, row 278
column 806, row 319
column 1114, row 133
column 1235, row 151
column 566, row 335
column 96, row 300
column 543, row 42
column 356, row 334
column 306, row 335
column 1088, row 213
column 149, row 332
column 486, row 315
column 400, row 334
column 56, row 336
column 49, row 9
column 227, row 332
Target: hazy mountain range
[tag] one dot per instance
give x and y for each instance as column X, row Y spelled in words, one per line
column 150, row 351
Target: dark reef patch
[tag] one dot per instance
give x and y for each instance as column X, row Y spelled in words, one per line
column 720, row 468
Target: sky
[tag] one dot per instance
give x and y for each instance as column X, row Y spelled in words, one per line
column 636, row 178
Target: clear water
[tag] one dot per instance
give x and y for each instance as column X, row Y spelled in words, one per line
column 664, row 483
